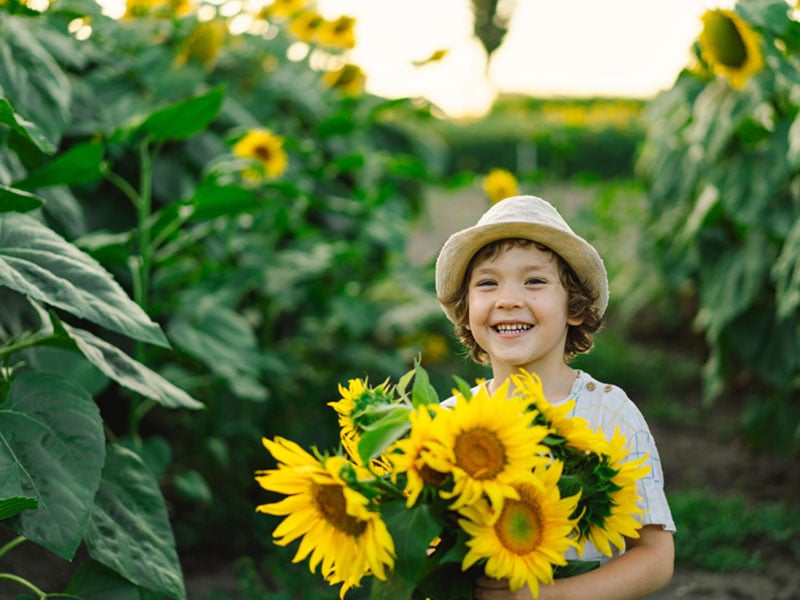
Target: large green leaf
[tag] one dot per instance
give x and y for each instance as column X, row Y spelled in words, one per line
column 53, row 431
column 78, row 165
column 730, row 284
column 27, row 130
column 413, row 530
column 93, row 581
column 13, row 200
column 786, row 273
column 128, row 372
column 12, row 498
column 129, row 530
column 184, row 119
column 222, row 339
column 37, row 262
column 33, row 82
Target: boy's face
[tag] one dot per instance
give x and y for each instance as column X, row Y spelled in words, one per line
column 518, row 310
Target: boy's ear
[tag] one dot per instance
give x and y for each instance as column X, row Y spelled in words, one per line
column 575, row 321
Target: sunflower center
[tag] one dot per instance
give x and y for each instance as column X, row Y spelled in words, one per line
column 519, row 527
column 480, row 453
column 725, row 40
column 432, row 476
column 331, row 504
column 263, row 153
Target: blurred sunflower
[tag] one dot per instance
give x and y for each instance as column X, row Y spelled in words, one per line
column 623, row 499
column 531, row 534
column 339, row 33
column 203, row 44
column 339, row 529
column 576, row 431
column 265, row 149
column 486, row 442
column 730, row 46
column 408, row 454
column 305, row 25
column 162, row 9
column 349, row 79
column 284, row 8
column 499, row 184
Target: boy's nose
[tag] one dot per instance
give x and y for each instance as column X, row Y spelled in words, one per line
column 508, row 298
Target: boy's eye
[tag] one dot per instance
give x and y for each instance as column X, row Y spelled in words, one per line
column 535, row 281
column 485, row 282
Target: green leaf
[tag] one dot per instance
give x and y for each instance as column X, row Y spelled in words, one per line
column 394, row 588
column 129, row 530
column 786, row 273
column 383, row 433
column 53, row 431
column 78, row 165
column 37, row 262
column 93, row 581
column 34, row 83
column 413, row 530
column 423, row 393
column 192, row 486
column 128, row 372
column 13, row 499
column 14, row 200
column 184, row 119
column 731, row 284
column 222, row 339
column 212, row 200
column 27, row 130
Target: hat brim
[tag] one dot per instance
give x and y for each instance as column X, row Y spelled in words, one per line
column 458, row 250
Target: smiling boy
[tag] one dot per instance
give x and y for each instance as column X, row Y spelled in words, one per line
column 524, row 292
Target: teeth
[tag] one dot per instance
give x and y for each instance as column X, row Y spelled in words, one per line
column 509, row 328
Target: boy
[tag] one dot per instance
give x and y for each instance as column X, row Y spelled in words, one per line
column 525, row 292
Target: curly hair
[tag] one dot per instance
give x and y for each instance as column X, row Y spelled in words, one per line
column 581, row 302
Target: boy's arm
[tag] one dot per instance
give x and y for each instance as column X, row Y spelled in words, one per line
column 645, row 567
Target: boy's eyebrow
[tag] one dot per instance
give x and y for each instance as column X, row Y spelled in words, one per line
column 487, row 268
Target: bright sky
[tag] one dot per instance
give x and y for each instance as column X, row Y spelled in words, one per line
column 553, row 47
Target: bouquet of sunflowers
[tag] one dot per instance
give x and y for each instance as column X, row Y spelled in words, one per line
column 422, row 497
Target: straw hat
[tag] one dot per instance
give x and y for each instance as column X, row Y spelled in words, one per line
column 526, row 217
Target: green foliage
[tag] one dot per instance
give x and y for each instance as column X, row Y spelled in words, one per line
column 722, row 168
column 555, row 138
column 162, row 308
column 719, row 533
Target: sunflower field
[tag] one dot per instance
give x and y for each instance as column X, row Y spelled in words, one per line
column 204, row 225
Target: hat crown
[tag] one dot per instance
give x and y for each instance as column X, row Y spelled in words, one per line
column 524, row 209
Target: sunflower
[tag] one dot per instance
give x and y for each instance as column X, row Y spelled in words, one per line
column 730, row 46
column 576, row 432
column 349, row 80
column 618, row 499
column 499, row 184
column 486, row 442
column 203, row 44
column 265, row 149
column 339, row 33
column 339, row 529
column 408, row 454
column 531, row 534
column 305, row 25
column 161, row 9
column 285, row 8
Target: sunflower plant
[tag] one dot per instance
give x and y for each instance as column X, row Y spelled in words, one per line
column 421, row 497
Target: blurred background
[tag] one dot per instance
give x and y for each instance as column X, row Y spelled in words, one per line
column 269, row 184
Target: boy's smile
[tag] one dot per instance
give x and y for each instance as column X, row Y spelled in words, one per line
column 518, row 310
